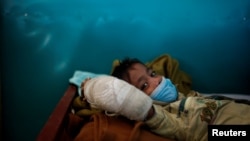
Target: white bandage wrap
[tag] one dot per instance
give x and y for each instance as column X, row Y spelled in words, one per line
column 117, row 96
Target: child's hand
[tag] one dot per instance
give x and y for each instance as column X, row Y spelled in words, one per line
column 117, row 96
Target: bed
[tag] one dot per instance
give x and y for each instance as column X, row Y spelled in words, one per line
column 64, row 125
column 61, row 124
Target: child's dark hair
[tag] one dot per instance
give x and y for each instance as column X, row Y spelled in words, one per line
column 123, row 67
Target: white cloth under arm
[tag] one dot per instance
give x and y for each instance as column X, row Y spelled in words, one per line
column 79, row 76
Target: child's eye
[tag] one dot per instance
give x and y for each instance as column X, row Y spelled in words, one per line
column 153, row 74
column 145, row 85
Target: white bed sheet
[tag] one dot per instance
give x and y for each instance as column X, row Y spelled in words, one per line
column 233, row 95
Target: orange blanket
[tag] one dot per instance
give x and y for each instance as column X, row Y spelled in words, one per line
column 104, row 128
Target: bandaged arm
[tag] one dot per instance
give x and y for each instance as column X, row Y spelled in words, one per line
column 117, row 96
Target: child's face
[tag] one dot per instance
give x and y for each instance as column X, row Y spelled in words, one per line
column 143, row 78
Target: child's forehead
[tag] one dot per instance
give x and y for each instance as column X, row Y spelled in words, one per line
column 138, row 66
column 137, row 70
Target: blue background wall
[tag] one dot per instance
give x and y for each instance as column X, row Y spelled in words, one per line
column 45, row 41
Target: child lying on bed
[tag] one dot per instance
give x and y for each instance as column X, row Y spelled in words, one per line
column 184, row 119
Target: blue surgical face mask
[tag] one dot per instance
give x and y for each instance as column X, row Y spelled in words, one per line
column 165, row 91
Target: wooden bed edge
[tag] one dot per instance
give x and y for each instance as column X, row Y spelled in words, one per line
column 53, row 127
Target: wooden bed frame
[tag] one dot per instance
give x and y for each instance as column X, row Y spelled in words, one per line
column 55, row 127
column 53, row 130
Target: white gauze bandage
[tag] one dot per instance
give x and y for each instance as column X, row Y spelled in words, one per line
column 117, row 96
